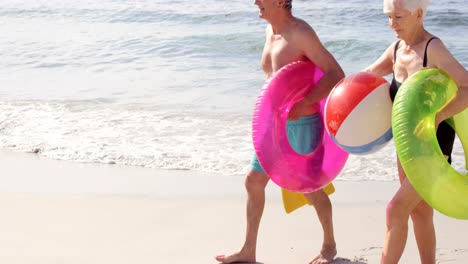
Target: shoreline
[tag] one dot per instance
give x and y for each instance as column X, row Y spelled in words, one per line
column 57, row 176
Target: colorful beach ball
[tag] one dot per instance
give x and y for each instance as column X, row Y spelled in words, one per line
column 358, row 113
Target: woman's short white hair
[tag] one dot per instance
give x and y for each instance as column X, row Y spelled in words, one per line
column 411, row 5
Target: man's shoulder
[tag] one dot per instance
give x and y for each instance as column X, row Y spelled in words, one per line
column 301, row 24
column 303, row 29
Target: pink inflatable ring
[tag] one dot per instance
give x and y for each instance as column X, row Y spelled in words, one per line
column 287, row 168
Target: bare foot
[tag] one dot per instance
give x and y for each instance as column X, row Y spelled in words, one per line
column 238, row 257
column 326, row 256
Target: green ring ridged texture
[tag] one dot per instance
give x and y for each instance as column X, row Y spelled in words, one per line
column 418, row 100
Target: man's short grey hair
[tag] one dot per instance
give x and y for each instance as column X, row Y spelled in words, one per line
column 411, row 5
column 288, row 4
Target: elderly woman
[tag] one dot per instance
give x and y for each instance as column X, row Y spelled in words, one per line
column 416, row 49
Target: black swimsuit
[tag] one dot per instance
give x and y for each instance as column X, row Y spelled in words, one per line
column 445, row 133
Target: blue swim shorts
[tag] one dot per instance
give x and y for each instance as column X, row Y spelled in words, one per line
column 303, row 135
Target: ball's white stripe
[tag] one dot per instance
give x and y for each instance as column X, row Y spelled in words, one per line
column 369, row 120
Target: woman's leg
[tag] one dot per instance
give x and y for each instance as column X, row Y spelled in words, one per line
column 398, row 212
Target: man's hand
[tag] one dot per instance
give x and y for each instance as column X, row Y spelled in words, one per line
column 297, row 110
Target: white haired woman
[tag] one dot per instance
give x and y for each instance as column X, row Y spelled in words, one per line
column 415, row 50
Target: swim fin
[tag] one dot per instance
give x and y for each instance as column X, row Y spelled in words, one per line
column 293, row 201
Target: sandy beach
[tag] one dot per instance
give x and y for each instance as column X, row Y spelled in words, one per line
column 64, row 212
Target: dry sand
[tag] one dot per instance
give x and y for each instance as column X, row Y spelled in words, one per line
column 63, row 212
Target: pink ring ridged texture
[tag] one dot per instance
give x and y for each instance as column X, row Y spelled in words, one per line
column 287, row 168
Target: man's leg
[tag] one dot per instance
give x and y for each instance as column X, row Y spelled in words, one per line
column 255, row 184
column 323, row 207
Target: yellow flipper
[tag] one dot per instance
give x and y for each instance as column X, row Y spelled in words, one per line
column 293, row 201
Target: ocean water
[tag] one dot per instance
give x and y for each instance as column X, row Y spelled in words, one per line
column 171, row 84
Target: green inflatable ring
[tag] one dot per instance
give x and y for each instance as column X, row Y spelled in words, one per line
column 418, row 100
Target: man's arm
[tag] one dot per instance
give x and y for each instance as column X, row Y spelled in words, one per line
column 313, row 49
